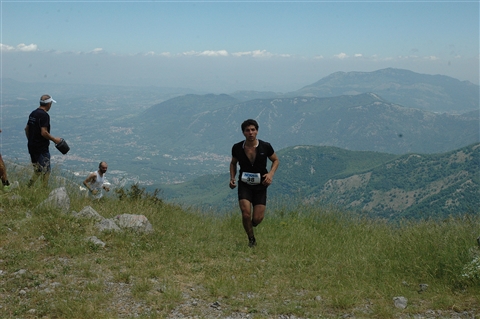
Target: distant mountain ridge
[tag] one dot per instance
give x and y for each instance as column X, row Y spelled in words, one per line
column 355, row 122
column 375, row 184
column 435, row 93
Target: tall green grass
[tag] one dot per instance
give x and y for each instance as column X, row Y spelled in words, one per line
column 310, row 261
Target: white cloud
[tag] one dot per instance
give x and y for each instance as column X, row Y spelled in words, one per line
column 318, row 57
column 97, row 50
column 189, row 53
column 27, row 48
column 341, row 56
column 4, row 47
column 247, row 53
column 206, row 53
column 152, row 53
column 255, row 54
column 358, row 55
column 261, row 53
column 432, row 58
column 214, row 53
column 22, row 47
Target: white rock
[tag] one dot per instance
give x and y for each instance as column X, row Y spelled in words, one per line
column 58, row 198
column 135, row 222
column 400, row 302
column 88, row 212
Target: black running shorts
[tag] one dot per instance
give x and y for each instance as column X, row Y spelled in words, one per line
column 255, row 194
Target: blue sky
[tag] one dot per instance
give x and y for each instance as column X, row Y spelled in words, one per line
column 221, row 47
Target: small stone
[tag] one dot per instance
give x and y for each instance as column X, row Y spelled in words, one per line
column 20, row 272
column 55, row 284
column 422, row 287
column 400, row 302
column 47, row 291
column 216, row 305
column 95, row 241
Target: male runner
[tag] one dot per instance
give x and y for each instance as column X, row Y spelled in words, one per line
column 254, row 178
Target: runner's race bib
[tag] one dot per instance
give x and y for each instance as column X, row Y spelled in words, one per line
column 251, row 178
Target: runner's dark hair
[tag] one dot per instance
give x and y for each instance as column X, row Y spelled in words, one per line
column 248, row 123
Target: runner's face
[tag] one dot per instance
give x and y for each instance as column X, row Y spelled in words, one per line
column 103, row 168
column 250, row 133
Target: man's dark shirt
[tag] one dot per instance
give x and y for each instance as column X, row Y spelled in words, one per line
column 36, row 142
column 263, row 151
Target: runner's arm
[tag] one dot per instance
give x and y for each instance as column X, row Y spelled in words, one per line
column 233, row 172
column 90, row 179
column 268, row 178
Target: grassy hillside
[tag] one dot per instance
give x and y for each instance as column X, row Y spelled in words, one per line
column 310, row 262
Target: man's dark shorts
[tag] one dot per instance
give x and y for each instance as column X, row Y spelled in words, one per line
column 255, row 194
column 41, row 162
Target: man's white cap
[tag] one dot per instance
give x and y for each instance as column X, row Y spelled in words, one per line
column 47, row 101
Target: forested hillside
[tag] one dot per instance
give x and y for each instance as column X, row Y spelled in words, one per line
column 375, row 184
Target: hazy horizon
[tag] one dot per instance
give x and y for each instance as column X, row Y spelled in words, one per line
column 222, row 47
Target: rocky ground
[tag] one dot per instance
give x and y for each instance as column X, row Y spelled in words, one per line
column 193, row 306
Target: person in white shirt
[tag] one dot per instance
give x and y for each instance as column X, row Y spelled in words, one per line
column 96, row 182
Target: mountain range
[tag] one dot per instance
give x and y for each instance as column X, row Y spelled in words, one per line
column 434, row 93
column 157, row 136
column 375, row 184
column 211, row 123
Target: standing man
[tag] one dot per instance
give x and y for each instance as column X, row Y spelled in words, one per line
column 3, row 174
column 254, row 177
column 39, row 137
column 95, row 181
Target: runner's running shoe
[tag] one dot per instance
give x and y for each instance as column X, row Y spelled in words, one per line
column 252, row 242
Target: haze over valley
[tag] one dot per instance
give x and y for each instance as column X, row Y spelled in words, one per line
column 162, row 136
